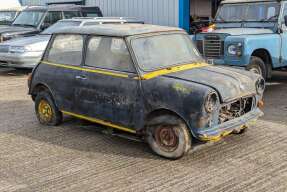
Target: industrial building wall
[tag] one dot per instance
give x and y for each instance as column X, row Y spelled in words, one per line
column 162, row 12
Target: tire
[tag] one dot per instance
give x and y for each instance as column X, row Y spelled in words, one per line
column 171, row 141
column 257, row 66
column 46, row 111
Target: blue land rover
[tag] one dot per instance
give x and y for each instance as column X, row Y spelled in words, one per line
column 248, row 33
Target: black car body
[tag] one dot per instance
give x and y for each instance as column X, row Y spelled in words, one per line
column 35, row 19
column 146, row 80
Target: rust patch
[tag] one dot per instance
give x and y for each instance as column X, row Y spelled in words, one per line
column 181, row 88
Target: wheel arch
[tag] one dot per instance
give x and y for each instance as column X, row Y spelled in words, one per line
column 265, row 55
column 42, row 87
column 166, row 112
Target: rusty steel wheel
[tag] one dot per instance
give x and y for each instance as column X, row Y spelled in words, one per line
column 166, row 137
column 171, row 141
column 46, row 110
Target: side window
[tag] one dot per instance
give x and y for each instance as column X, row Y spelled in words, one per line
column 52, row 17
column 109, row 53
column 71, row 14
column 285, row 10
column 91, row 14
column 66, row 49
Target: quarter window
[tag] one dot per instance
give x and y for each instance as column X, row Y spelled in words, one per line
column 109, row 53
column 71, row 14
column 66, row 49
column 52, row 17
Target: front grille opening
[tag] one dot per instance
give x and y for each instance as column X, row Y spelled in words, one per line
column 213, row 47
column 236, row 109
column 4, row 62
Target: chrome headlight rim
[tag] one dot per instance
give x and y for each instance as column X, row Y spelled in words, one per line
column 260, row 86
column 235, row 49
column 211, row 102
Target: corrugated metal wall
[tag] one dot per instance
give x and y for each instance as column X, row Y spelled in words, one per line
column 161, row 12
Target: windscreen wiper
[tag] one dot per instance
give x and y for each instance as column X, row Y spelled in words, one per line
column 270, row 18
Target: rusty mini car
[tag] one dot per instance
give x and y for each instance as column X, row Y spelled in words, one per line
column 145, row 80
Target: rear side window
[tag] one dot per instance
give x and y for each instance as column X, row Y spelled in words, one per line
column 66, row 49
column 52, row 17
column 109, row 53
column 87, row 14
column 71, row 14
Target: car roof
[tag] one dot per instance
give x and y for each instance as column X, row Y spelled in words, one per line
column 248, row 1
column 117, row 30
column 60, row 7
column 105, row 19
column 13, row 9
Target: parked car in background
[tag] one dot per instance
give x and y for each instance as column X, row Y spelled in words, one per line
column 145, row 80
column 8, row 15
column 9, row 10
column 26, row 52
column 251, row 34
column 4, row 4
column 33, row 20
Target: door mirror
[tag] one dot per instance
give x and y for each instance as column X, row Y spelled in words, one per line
column 285, row 20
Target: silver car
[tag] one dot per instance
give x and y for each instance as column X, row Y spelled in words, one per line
column 26, row 52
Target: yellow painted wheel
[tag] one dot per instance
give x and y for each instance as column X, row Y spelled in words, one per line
column 45, row 111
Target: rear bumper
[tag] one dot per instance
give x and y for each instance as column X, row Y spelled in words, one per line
column 29, row 60
column 222, row 130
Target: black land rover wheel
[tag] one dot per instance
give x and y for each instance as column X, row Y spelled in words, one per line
column 257, row 66
column 169, row 141
column 46, row 110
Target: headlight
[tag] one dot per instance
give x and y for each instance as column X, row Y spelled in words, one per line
column 235, row 49
column 260, row 86
column 17, row 49
column 6, row 36
column 211, row 102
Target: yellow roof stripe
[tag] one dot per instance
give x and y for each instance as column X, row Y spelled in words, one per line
column 94, row 120
column 166, row 71
column 87, row 69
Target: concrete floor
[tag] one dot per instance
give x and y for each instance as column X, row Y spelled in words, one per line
column 77, row 157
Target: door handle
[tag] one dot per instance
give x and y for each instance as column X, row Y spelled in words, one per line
column 81, row 77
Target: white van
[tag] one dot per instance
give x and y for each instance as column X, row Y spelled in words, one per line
column 9, row 10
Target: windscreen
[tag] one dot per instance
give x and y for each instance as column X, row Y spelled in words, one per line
column 164, row 51
column 251, row 12
column 29, row 18
column 59, row 25
column 7, row 16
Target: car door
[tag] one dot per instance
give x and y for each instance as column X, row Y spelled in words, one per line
column 62, row 67
column 284, row 37
column 110, row 89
